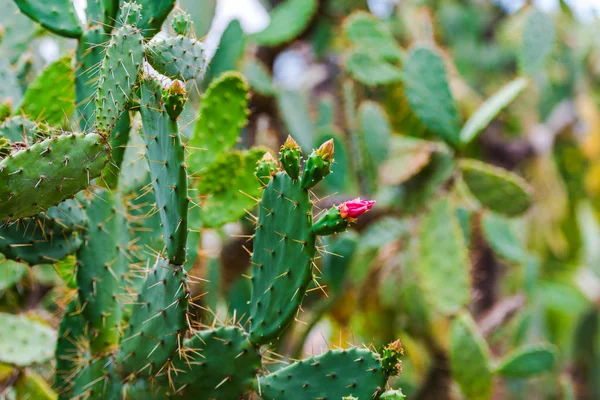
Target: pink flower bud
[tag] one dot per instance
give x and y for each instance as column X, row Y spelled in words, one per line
column 352, row 209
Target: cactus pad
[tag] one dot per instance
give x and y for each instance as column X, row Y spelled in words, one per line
column 218, row 364
column 97, row 380
column 495, row 188
column 49, row 172
column 223, row 113
column 90, row 53
column 470, row 359
column 70, row 334
column 288, row 20
column 102, row 266
column 179, row 57
column 158, row 321
column 527, row 361
column 118, row 76
column 166, row 159
column 58, row 17
column 284, row 248
column 51, row 96
column 22, row 129
column 332, row 375
column 443, row 260
column 24, row 342
column 428, row 92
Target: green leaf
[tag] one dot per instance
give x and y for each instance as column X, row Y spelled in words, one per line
column 231, row 186
column 443, row 269
column 496, row 188
column 24, row 342
column 538, row 38
column 528, row 361
column 482, row 117
column 428, row 92
column 51, row 96
column 288, row 20
column 470, row 359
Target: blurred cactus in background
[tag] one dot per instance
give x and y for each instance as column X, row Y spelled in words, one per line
column 345, row 204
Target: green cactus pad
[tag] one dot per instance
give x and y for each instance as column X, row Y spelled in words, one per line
column 365, row 32
column 37, row 178
column 217, row 364
column 24, row 342
column 443, row 269
column 229, row 53
column 102, row 12
column 180, row 57
column 90, row 53
column 496, row 188
column 166, row 159
column 119, row 70
column 27, row 242
column 11, row 272
column 288, row 20
column 504, row 237
column 158, row 321
column 284, row 248
column 118, row 142
column 67, row 216
column 58, row 17
column 527, row 361
column 538, row 37
column 223, row 114
column 22, row 129
column 31, row 385
column 102, row 265
column 154, row 13
column 393, row 395
column 71, row 335
column 470, row 359
column 230, row 186
column 428, row 92
column 371, row 69
column 97, row 380
column 258, row 77
column 482, row 117
column 51, row 96
column 332, row 375
column 182, row 24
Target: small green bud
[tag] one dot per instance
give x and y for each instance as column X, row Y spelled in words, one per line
column 290, row 155
column 266, row 168
column 390, row 360
column 175, row 99
column 182, row 24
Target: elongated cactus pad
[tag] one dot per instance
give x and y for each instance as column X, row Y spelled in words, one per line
column 90, row 53
column 443, row 269
column 428, row 92
column 158, row 321
column 71, row 333
column 332, row 375
column 118, row 76
column 97, row 380
column 37, row 178
column 496, row 188
column 102, row 265
column 179, row 57
column 59, row 16
column 470, row 359
column 166, row 159
column 154, row 13
column 284, row 248
column 217, row 364
column 24, row 342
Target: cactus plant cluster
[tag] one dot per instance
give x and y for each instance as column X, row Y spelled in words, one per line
column 345, row 204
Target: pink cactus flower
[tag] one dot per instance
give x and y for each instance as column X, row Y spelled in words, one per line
column 352, row 209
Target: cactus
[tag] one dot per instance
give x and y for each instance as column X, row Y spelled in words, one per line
column 288, row 20
column 17, row 348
